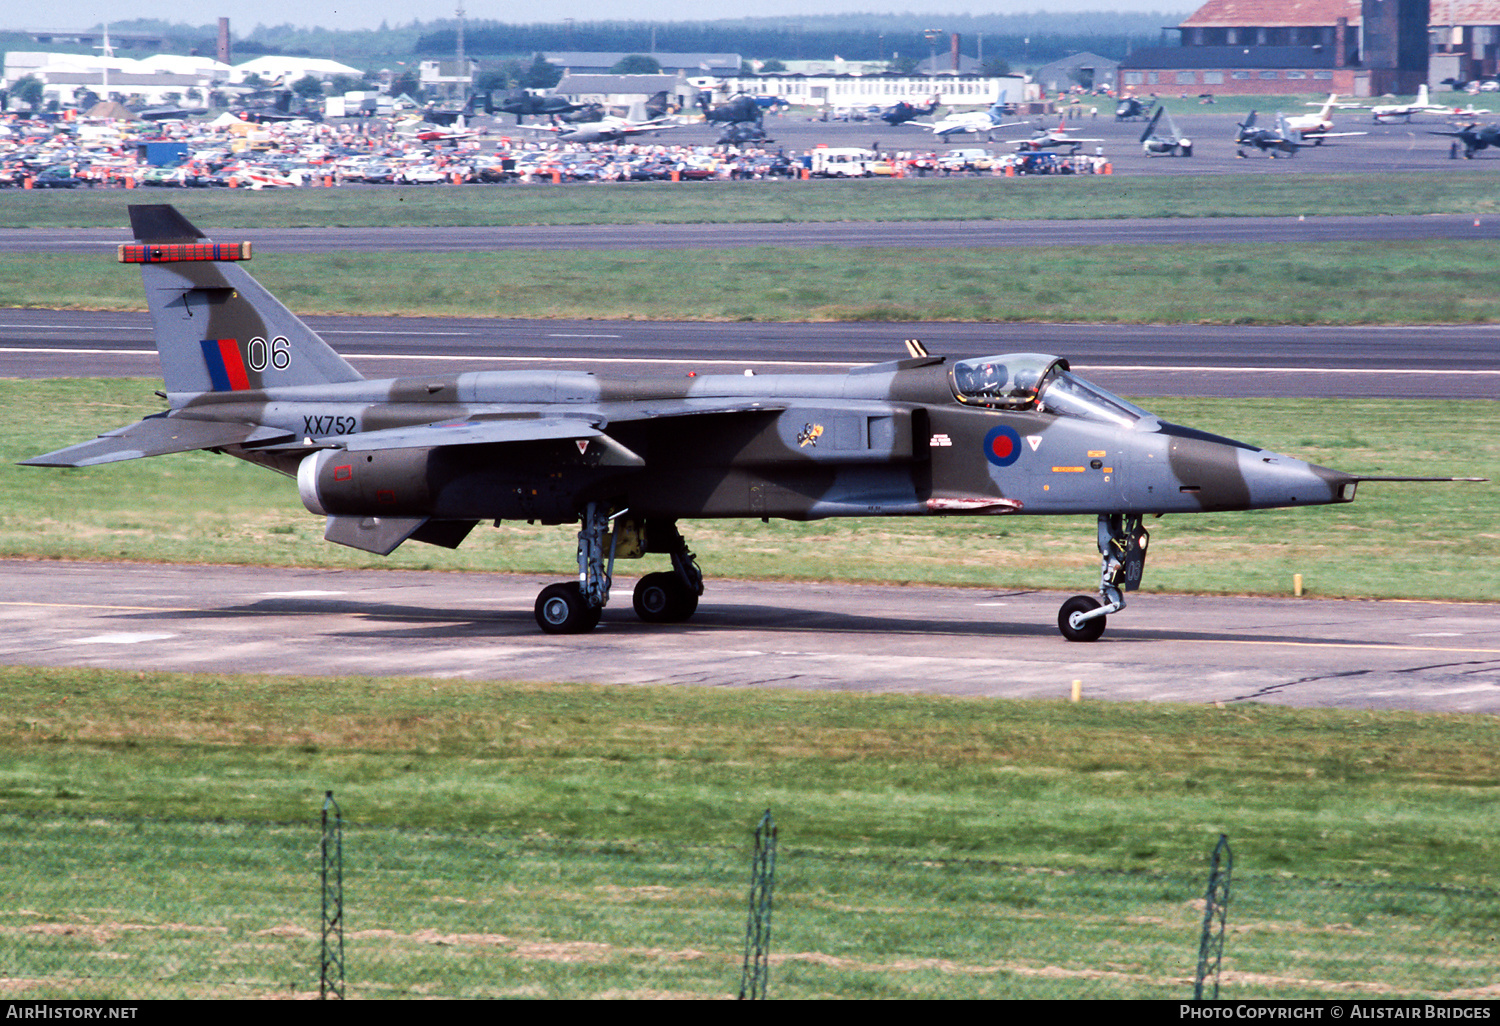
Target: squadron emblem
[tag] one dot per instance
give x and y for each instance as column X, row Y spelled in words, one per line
column 809, row 435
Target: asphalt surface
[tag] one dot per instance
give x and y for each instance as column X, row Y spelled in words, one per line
column 1438, row 362
column 969, row 642
column 1011, row 234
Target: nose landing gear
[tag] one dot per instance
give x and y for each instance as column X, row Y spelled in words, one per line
column 1122, row 549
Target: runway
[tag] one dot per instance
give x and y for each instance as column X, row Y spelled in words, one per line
column 1009, row 234
column 1398, row 362
column 949, row 641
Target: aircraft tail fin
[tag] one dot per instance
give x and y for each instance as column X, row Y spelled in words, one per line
column 217, row 328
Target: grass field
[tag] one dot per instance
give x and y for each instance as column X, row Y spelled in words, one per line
column 912, row 199
column 564, row 840
column 1394, row 541
column 1266, row 283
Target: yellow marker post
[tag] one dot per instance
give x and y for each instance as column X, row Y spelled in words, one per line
column 1077, row 691
column 1297, row 585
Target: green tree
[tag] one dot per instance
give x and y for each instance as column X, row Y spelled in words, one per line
column 636, row 64
column 29, row 91
column 541, row 75
column 772, row 65
column 309, row 87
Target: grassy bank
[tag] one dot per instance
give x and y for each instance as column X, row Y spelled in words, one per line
column 913, row 199
column 1325, row 283
column 1395, row 541
column 571, row 841
column 1100, row 786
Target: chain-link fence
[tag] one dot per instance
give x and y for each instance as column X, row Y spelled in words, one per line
column 127, row 909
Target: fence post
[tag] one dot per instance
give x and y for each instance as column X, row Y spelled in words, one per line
column 1216, row 906
column 331, row 980
column 758, row 925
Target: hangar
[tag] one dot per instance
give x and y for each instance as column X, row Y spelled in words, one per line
column 1354, row 47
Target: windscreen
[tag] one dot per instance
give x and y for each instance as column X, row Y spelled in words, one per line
column 1033, row 381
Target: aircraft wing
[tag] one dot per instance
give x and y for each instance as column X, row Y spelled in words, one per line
column 488, row 432
column 156, row 436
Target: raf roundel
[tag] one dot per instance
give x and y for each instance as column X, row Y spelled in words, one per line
column 1002, row 446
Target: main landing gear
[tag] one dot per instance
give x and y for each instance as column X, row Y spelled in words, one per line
column 1122, row 549
column 667, row 597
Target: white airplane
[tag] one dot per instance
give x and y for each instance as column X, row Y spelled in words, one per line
column 1316, row 124
column 1390, row 113
column 1314, row 128
column 608, row 128
column 978, row 122
column 1052, row 138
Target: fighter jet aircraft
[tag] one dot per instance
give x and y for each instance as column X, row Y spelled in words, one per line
column 1131, row 108
column 427, row 458
column 1052, row 138
column 1161, row 138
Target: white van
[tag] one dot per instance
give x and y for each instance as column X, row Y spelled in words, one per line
column 841, row 162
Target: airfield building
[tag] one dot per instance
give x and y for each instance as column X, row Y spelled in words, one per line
column 1353, row 47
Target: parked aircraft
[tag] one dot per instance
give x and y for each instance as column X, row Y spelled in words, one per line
column 1052, row 138
column 447, row 117
column 901, row 113
column 1270, row 141
column 1161, row 138
column 1312, row 125
column 427, row 458
column 1131, row 108
column 1474, row 138
column 607, row 129
column 1390, row 113
column 742, row 132
column 979, row 122
column 737, row 111
column 521, row 103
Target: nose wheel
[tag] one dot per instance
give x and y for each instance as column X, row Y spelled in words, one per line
column 1080, row 630
column 1122, row 550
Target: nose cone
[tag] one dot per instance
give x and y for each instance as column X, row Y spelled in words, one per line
column 1223, row 474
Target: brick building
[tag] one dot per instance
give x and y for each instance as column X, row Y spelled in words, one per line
column 1354, row 47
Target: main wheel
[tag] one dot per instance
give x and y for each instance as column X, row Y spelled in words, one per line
column 1089, row 630
column 663, row 598
column 560, row 609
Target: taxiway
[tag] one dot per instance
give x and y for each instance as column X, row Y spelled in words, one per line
column 954, row 641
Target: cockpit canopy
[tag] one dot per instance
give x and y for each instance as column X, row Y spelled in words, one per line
column 1034, row 381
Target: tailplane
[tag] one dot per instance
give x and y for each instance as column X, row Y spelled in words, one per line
column 217, row 328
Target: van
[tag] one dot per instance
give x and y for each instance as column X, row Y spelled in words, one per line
column 841, row 162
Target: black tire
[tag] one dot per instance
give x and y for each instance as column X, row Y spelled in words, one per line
column 1090, row 630
column 560, row 609
column 663, row 598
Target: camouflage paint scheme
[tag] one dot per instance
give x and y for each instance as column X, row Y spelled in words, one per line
column 427, row 458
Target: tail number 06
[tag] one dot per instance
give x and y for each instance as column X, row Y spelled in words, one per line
column 261, row 354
